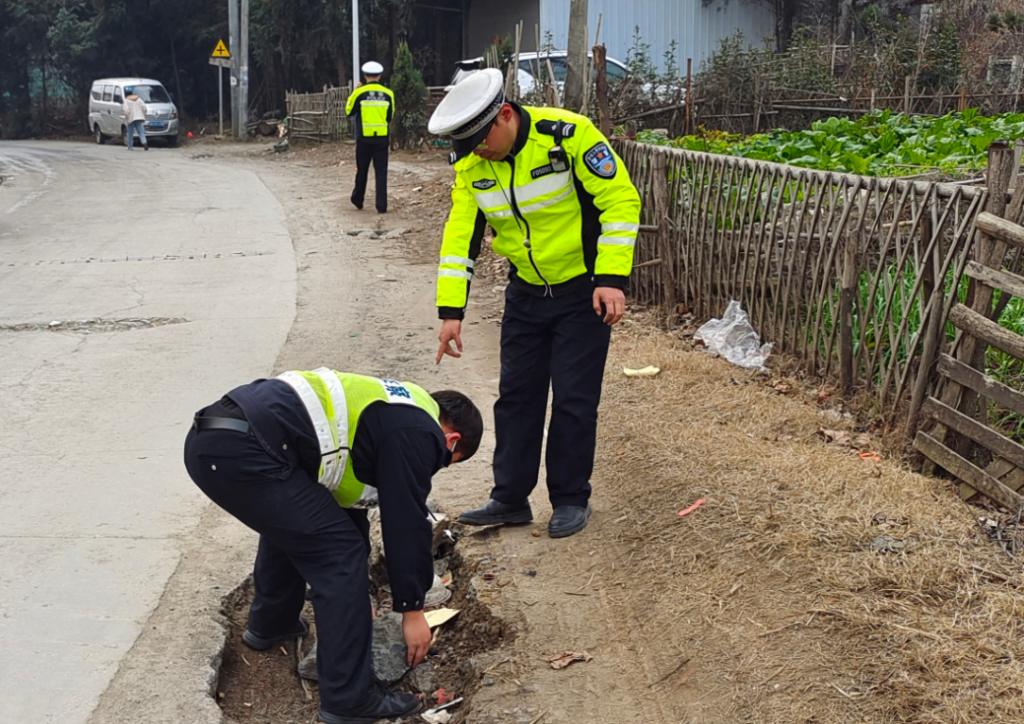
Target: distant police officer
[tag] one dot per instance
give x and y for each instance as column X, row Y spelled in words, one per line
column 566, row 216
column 372, row 106
column 295, row 458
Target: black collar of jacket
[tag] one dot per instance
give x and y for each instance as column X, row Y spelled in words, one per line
column 523, row 135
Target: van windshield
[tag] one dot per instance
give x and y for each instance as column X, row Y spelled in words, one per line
column 149, row 93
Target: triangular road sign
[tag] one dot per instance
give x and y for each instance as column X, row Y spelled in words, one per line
column 221, row 51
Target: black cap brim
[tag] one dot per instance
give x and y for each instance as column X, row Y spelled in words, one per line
column 462, row 147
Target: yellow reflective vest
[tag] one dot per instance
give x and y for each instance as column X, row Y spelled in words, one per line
column 560, row 225
column 372, row 106
column 334, row 401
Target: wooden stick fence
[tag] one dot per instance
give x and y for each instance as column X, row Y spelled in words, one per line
column 849, row 274
column 318, row 116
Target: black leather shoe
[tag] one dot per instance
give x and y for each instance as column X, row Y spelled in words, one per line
column 568, row 519
column 494, row 512
column 382, row 703
column 262, row 643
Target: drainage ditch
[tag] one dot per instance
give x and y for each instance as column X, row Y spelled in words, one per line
column 265, row 687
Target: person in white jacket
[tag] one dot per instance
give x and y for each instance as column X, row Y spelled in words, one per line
column 135, row 119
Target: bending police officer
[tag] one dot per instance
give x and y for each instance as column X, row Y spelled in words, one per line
column 371, row 106
column 566, row 216
column 296, row 458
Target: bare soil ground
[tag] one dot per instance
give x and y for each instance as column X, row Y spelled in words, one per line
column 814, row 584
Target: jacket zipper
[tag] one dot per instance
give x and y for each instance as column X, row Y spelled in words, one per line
column 519, row 217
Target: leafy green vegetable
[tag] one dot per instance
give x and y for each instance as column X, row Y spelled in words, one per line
column 879, row 144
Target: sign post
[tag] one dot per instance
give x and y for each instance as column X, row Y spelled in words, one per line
column 221, row 57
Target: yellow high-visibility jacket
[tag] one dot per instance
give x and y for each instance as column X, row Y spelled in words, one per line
column 335, row 401
column 376, row 106
column 559, row 229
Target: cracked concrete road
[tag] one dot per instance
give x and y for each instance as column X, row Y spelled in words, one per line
column 111, row 245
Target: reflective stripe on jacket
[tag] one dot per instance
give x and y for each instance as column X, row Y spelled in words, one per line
column 555, row 227
column 376, row 105
column 334, row 401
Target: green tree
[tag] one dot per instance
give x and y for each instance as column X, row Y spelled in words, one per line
column 410, row 98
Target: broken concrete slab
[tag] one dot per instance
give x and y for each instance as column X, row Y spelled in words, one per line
column 388, row 651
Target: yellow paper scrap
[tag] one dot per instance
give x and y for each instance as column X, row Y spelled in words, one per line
column 440, row 616
column 648, row 371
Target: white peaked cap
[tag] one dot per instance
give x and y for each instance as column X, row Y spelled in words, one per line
column 372, row 67
column 469, row 105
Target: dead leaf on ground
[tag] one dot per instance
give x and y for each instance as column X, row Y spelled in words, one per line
column 560, row 661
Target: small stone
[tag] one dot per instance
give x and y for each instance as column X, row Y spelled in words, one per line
column 529, row 689
column 423, row 678
column 488, row 682
column 887, row 544
column 367, row 234
column 394, row 233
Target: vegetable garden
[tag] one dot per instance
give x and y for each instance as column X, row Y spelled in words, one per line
column 953, row 146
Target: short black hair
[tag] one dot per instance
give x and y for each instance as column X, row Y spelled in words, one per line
column 460, row 414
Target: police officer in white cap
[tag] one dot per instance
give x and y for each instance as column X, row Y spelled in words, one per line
column 566, row 216
column 371, row 106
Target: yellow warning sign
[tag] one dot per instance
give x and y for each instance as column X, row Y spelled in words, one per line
column 221, row 51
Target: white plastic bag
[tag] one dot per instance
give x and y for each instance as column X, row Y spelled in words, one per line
column 732, row 337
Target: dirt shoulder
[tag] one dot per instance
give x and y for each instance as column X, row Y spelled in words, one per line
column 812, row 585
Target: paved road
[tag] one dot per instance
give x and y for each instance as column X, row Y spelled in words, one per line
column 134, row 288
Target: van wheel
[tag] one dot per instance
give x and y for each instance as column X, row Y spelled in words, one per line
column 172, row 141
column 124, row 136
column 100, row 138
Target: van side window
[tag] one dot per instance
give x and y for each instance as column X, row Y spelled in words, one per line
column 117, row 95
column 97, row 92
column 108, row 93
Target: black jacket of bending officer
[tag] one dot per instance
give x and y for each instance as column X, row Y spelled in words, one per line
column 267, row 478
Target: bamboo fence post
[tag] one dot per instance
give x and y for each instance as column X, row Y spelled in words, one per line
column 659, row 188
column 689, row 87
column 989, row 253
column 931, row 298
column 847, row 293
column 604, row 114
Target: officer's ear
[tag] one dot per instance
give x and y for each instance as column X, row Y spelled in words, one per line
column 505, row 113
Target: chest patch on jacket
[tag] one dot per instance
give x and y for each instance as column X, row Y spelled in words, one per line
column 542, row 171
column 484, row 184
column 600, row 161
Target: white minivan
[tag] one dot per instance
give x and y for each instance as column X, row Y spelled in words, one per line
column 106, row 112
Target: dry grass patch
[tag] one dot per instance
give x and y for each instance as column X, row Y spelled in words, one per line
column 776, row 589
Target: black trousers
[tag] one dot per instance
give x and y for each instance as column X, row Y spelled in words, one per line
column 562, row 343
column 305, row 536
column 377, row 153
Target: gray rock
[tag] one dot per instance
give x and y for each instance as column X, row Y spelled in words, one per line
column 887, row 544
column 394, row 234
column 423, row 678
column 388, row 651
column 488, row 682
column 367, row 234
column 529, row 689
column 307, row 667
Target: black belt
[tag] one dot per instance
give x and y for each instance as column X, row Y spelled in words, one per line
column 220, row 423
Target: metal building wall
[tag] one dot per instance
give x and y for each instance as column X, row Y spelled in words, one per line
column 697, row 30
column 489, row 19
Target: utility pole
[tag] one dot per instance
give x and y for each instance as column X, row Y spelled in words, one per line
column 355, row 43
column 237, row 57
column 576, row 61
column 243, row 72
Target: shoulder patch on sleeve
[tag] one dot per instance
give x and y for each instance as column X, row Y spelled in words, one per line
column 548, row 128
column 601, row 161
